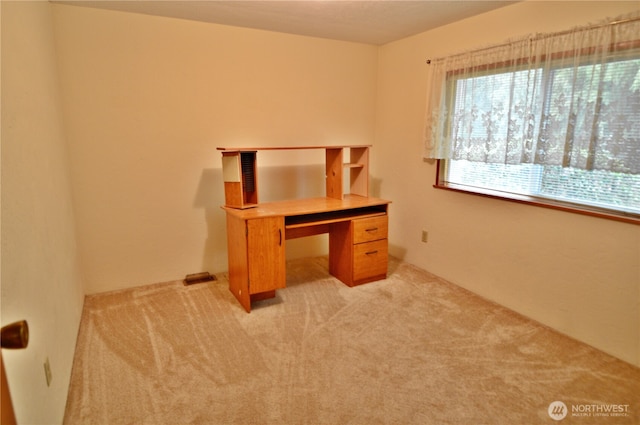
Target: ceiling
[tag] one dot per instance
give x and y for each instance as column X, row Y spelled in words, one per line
column 363, row 21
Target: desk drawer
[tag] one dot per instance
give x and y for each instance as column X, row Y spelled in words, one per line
column 370, row 261
column 370, row 229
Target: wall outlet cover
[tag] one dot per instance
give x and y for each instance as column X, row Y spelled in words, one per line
column 47, row 372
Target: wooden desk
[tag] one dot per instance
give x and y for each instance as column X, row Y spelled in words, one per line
column 358, row 249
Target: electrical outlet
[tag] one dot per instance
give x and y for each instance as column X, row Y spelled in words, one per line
column 425, row 236
column 47, row 372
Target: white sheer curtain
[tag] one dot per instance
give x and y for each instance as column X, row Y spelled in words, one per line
column 570, row 99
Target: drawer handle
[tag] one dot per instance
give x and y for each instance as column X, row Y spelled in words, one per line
column 371, row 252
column 371, row 229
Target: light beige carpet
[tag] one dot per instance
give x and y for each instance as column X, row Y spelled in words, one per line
column 411, row 349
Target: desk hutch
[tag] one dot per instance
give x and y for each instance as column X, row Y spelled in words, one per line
column 256, row 232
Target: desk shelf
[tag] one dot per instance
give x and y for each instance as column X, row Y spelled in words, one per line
column 239, row 170
column 357, row 166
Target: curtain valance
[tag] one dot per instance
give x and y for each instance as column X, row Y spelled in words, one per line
column 569, row 99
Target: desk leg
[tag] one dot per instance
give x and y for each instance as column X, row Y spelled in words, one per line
column 340, row 253
column 238, row 268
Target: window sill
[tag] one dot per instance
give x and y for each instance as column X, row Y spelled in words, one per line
column 542, row 202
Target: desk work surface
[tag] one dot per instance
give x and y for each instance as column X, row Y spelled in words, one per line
column 305, row 206
column 286, row 148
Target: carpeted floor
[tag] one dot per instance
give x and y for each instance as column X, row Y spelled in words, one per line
column 411, row 349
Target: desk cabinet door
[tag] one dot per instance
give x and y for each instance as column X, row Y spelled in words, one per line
column 265, row 241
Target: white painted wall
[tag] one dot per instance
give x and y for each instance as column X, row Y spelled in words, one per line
column 147, row 101
column 577, row 274
column 41, row 280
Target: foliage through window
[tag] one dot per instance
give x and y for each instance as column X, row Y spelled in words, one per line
column 553, row 120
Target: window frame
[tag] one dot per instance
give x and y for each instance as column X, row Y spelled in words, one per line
column 537, row 201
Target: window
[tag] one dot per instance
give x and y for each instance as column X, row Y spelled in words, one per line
column 554, row 121
column 593, row 191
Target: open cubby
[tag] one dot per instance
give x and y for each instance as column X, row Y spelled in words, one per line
column 240, row 179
